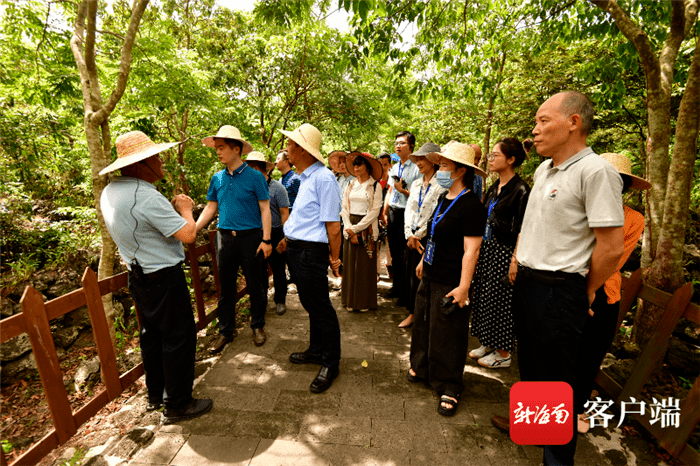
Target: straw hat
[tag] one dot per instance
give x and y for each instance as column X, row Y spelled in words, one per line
column 335, row 158
column 134, row 147
column 308, row 137
column 228, row 132
column 460, row 153
column 377, row 169
column 256, row 156
column 424, row 150
column 623, row 165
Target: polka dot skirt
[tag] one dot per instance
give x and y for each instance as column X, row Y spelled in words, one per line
column 492, row 320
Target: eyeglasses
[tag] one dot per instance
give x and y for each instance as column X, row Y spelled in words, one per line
column 400, row 143
column 492, row 155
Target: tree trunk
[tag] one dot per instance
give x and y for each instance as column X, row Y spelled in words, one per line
column 666, row 271
column 96, row 117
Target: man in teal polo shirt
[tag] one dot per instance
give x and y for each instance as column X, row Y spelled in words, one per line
column 241, row 196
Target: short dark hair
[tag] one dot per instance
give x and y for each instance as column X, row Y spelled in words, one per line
column 233, row 143
column 626, row 182
column 512, row 147
column 364, row 161
column 578, row 103
column 384, row 155
column 410, row 138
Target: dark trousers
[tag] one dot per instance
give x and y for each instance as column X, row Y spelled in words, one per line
column 439, row 342
column 397, row 244
column 410, row 283
column 549, row 321
column 168, row 336
column 309, row 268
column 598, row 335
column 278, row 263
column 239, row 252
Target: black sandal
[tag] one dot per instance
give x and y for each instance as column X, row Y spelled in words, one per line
column 453, row 405
column 413, row 378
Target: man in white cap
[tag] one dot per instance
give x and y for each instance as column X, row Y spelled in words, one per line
column 149, row 232
column 570, row 243
column 240, row 195
column 312, row 241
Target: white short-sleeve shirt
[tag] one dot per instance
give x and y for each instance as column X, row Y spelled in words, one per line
column 565, row 204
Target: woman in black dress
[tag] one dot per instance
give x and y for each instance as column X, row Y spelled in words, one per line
column 506, row 199
column 441, row 321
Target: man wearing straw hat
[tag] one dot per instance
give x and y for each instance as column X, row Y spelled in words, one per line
column 149, row 232
column 570, row 243
column 312, row 241
column 240, row 195
column 279, row 212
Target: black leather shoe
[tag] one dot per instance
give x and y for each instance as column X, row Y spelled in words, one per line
column 305, row 358
column 219, row 344
column 324, row 379
column 191, row 410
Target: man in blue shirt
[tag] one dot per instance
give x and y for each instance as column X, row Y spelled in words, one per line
column 312, row 241
column 290, row 180
column 149, row 232
column 240, row 195
column 401, row 176
column 279, row 211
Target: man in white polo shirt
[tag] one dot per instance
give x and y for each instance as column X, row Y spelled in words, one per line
column 570, row 243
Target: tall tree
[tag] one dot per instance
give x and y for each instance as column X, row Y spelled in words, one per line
column 97, row 113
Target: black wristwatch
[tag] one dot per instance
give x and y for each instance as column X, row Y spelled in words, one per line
column 267, row 241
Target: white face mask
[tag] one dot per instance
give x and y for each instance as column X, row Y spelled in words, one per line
column 444, row 178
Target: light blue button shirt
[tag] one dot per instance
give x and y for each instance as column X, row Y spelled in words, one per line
column 317, row 202
column 409, row 173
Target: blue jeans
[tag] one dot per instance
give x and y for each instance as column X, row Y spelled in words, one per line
column 239, row 252
column 549, row 322
column 309, row 268
column 168, row 336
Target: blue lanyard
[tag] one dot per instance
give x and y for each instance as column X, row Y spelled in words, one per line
column 420, row 197
column 401, row 165
column 492, row 204
column 432, row 227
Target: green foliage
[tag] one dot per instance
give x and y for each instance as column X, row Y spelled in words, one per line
column 6, row 446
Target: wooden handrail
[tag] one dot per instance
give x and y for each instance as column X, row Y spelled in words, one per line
column 34, row 320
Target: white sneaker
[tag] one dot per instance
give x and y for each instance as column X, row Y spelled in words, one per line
column 480, row 352
column 493, row 360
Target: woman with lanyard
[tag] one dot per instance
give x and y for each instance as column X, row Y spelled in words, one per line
column 419, row 208
column 441, row 323
column 506, row 199
column 362, row 202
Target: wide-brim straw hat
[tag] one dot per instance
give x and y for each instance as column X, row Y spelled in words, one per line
column 424, row 150
column 334, row 159
column 460, row 153
column 256, row 156
column 134, row 147
column 377, row 169
column 623, row 165
column 228, row 132
column 308, row 137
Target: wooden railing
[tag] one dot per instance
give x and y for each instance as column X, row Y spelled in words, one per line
column 677, row 305
column 34, row 320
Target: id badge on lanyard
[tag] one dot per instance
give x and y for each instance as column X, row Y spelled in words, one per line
column 429, row 252
column 430, row 247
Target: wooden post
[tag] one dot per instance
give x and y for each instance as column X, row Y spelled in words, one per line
column 39, row 332
column 196, row 284
column 215, row 266
column 100, row 330
column 629, row 295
